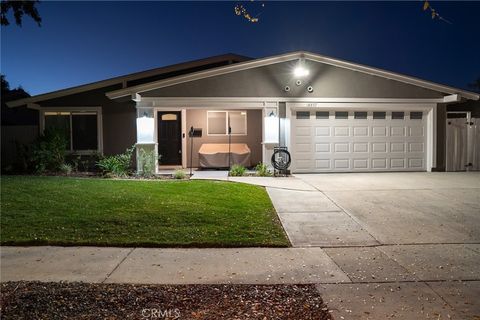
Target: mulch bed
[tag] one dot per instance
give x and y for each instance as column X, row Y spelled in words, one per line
column 37, row 300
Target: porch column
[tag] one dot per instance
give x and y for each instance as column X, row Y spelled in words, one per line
column 270, row 132
column 146, row 146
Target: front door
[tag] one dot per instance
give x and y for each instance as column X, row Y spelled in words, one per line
column 170, row 138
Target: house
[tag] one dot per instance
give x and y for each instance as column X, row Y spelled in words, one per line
column 332, row 115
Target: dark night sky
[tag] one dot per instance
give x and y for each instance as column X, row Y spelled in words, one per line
column 82, row 42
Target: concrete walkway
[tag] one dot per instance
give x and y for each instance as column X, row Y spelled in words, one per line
column 170, row 266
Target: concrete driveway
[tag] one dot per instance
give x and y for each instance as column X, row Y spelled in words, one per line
column 362, row 209
column 409, row 243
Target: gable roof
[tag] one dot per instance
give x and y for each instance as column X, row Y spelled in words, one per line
column 138, row 78
column 130, row 91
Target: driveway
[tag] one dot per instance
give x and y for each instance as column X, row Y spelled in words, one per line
column 362, row 209
column 409, row 243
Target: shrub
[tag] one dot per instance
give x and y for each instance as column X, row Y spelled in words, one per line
column 117, row 165
column 147, row 161
column 237, row 170
column 262, row 170
column 179, row 174
column 84, row 162
column 48, row 151
column 66, row 168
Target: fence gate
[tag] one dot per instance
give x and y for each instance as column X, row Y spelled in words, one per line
column 462, row 142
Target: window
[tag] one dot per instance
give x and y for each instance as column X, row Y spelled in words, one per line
column 238, row 122
column 360, row 115
column 341, row 115
column 322, row 114
column 398, row 115
column 379, row 115
column 416, row 115
column 169, row 117
column 218, row 121
column 303, row 115
column 80, row 129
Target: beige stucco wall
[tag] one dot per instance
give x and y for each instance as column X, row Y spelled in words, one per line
column 198, row 119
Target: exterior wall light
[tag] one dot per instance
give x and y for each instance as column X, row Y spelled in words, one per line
column 271, row 125
column 145, row 129
column 301, row 71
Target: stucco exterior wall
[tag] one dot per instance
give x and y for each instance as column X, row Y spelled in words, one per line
column 270, row 81
column 198, row 119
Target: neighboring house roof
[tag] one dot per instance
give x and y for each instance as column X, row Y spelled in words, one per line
column 289, row 57
column 140, row 78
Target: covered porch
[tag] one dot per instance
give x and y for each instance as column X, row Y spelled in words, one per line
column 205, row 134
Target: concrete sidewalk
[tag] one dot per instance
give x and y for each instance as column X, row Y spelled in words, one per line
column 170, row 266
column 356, row 283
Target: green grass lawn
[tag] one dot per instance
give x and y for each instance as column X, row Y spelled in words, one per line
column 73, row 211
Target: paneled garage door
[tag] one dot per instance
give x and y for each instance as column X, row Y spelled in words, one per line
column 346, row 141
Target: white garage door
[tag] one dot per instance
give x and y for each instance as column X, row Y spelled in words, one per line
column 346, row 141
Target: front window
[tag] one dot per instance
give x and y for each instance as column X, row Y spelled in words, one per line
column 219, row 121
column 80, row 129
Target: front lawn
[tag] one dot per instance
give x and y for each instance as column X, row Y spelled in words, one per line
column 73, row 211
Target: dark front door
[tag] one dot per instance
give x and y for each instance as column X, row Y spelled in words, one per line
column 170, row 138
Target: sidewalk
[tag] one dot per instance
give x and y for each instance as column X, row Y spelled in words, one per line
column 355, row 283
column 170, row 266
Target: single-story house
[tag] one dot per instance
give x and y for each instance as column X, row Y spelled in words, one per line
column 332, row 115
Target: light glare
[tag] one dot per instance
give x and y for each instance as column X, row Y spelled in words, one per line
column 301, row 72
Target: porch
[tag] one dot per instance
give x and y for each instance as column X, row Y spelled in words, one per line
column 206, row 136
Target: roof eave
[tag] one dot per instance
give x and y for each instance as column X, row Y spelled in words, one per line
column 288, row 57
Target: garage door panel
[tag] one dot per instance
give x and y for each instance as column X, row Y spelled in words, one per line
column 322, row 147
column 397, row 131
column 345, row 145
column 323, row 164
column 379, row 147
column 397, row 147
column 415, row 163
column 304, row 164
column 359, row 147
column 360, row 164
column 304, row 155
column 360, row 131
column 379, row 131
column 397, row 163
column 341, row 164
column 304, row 147
column 416, row 131
column 322, row 131
column 379, row 163
column 303, row 131
column 341, row 147
column 415, row 146
column 341, row 131
column 303, row 140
